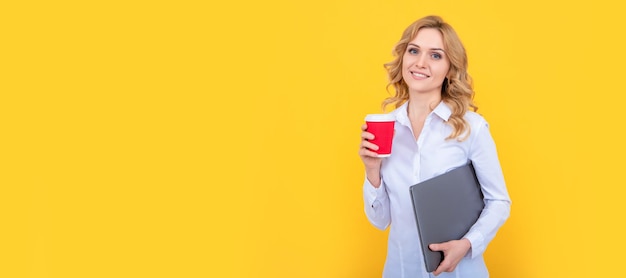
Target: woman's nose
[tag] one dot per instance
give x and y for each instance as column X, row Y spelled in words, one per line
column 421, row 60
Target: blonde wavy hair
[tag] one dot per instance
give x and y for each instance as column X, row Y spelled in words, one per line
column 456, row 92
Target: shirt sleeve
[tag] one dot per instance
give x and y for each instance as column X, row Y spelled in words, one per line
column 376, row 203
column 497, row 208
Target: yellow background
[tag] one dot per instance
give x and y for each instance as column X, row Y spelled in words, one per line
column 219, row 138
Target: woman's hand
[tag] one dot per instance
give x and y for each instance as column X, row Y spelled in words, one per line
column 370, row 159
column 453, row 252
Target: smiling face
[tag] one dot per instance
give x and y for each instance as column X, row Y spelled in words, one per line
column 425, row 63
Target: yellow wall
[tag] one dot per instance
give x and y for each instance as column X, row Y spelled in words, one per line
column 185, row 139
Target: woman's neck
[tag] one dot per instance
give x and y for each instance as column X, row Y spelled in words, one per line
column 420, row 105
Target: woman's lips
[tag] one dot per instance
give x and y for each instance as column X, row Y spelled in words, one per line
column 419, row 75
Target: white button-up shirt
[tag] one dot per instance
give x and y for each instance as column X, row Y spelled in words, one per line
column 414, row 161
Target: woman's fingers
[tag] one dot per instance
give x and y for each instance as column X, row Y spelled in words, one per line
column 367, row 148
column 367, row 136
column 367, row 152
column 369, row 145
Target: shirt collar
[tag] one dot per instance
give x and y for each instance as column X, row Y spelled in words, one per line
column 442, row 110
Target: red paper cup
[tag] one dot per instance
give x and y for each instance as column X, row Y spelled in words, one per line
column 381, row 125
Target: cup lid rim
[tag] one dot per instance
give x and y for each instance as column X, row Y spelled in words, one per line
column 380, row 117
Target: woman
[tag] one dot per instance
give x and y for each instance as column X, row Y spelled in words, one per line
column 434, row 132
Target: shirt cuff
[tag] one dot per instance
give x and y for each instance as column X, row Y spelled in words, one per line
column 478, row 243
column 372, row 194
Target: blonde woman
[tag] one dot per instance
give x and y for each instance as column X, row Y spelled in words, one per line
column 436, row 129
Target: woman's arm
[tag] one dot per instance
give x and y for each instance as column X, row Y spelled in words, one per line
column 375, row 195
column 484, row 157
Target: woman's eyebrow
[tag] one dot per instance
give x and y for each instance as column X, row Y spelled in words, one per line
column 415, row 45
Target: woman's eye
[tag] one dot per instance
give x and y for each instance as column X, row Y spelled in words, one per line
column 412, row 51
column 436, row 56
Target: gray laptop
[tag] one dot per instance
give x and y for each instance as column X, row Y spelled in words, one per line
column 446, row 207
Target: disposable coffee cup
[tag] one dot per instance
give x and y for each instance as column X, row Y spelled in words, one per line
column 381, row 125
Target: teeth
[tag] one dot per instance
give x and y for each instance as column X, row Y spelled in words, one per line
column 419, row 74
